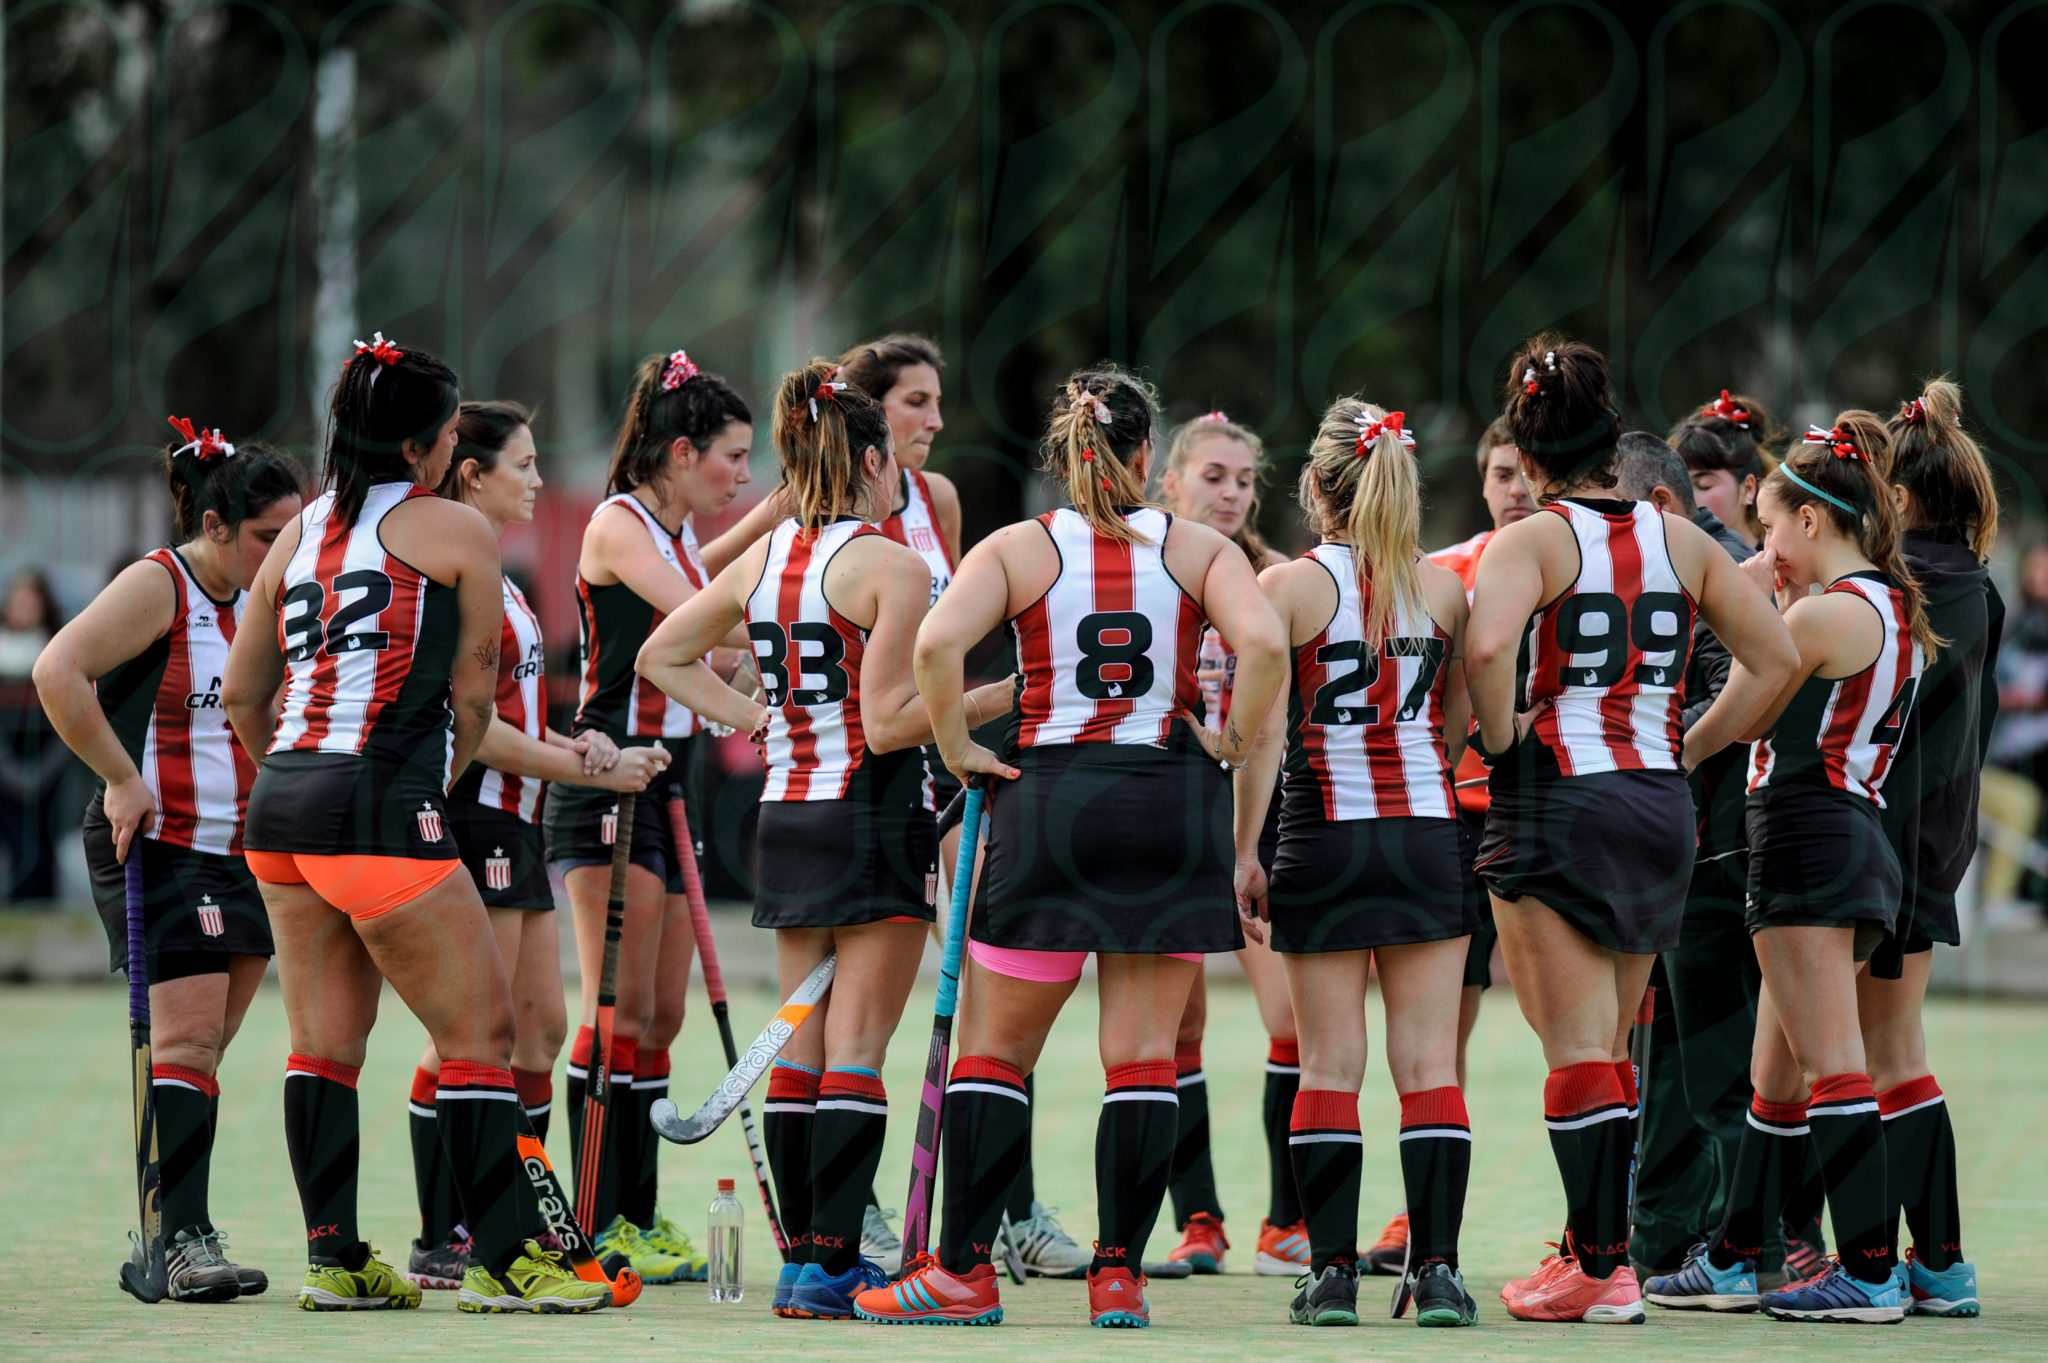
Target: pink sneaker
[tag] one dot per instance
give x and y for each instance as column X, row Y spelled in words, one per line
column 1561, row 1291
column 1553, row 1264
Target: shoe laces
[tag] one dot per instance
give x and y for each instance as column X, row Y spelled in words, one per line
column 1208, row 1226
column 1045, row 1221
column 546, row 1263
column 462, row 1242
column 875, row 1228
column 204, row 1251
column 921, row 1263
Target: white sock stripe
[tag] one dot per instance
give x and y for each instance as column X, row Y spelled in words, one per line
column 1616, row 1113
column 1436, row 1133
column 1142, row 1096
column 657, row 1081
column 1852, row 1108
column 846, row 1103
column 537, row 1111
column 1774, row 1129
column 418, row 1109
column 1930, row 1102
column 781, row 1105
column 971, row 1086
column 159, row 1081
column 492, row 1095
column 1325, row 1138
column 577, row 1071
column 1272, row 1068
column 1190, row 1080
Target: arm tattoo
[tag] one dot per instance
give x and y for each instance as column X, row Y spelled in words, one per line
column 1236, row 739
column 486, row 655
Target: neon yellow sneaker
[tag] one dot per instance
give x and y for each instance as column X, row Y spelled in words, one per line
column 536, row 1282
column 653, row 1266
column 666, row 1237
column 376, row 1286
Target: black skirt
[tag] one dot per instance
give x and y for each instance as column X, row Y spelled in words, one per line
column 506, row 856
column 842, row 863
column 582, row 821
column 1120, row 848
column 1612, row 852
column 1356, row 884
column 336, row 804
column 1818, row 857
column 193, row 903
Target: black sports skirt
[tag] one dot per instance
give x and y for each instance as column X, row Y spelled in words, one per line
column 506, row 856
column 337, row 804
column 842, row 863
column 1109, row 847
column 196, row 906
column 1612, row 852
column 1357, row 884
column 1818, row 857
column 582, row 822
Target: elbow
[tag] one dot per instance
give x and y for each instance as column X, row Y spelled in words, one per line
column 1265, row 644
column 646, row 660
column 1482, row 655
column 48, row 676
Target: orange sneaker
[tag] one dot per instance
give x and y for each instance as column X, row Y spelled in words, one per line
column 1116, row 1300
column 1201, row 1244
column 1283, row 1250
column 1561, row 1291
column 929, row 1295
column 1389, row 1255
column 1558, row 1261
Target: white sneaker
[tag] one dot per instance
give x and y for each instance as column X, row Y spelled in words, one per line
column 1047, row 1249
column 879, row 1241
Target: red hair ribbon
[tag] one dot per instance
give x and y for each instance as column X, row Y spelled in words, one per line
column 1096, row 407
column 1529, row 384
column 1215, row 416
column 1724, row 407
column 1369, row 431
column 827, row 390
column 201, row 445
column 1834, row 439
column 1088, row 456
column 1914, row 412
column 382, row 351
column 681, row 369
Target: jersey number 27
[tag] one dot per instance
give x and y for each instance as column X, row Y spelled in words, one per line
column 1341, row 699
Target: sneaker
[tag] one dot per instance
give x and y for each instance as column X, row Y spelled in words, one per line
column 1048, row 1251
column 1438, row 1294
column 376, row 1286
column 1699, row 1285
column 1201, row 1244
column 1560, row 1290
column 879, row 1242
column 537, row 1281
column 1952, row 1292
column 929, row 1295
column 441, row 1266
column 254, row 1281
column 624, row 1238
column 1116, row 1300
column 785, row 1283
column 1326, row 1298
column 195, row 1269
column 1806, row 1254
column 666, row 1237
column 818, row 1295
column 1389, row 1254
column 1282, row 1251
column 1553, row 1264
column 1841, row 1297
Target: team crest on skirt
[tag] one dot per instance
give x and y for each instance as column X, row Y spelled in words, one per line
column 608, row 826
column 429, row 820
column 210, row 921
column 931, row 889
column 923, row 540
column 498, row 870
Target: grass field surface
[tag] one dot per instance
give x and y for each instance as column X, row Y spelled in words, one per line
column 67, row 1184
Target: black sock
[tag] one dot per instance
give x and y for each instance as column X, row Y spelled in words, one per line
column 787, row 1119
column 1436, row 1165
column 575, row 1092
column 1590, row 1135
column 1193, row 1184
column 1774, row 1145
column 1283, row 1081
column 618, row 1142
column 184, row 1142
column 212, row 1132
column 846, row 1149
column 1920, row 1146
column 1805, row 1199
column 1024, row 1191
column 1133, row 1154
column 537, row 1096
column 1328, row 1156
column 1849, row 1133
column 480, row 1120
column 640, row 1152
column 323, row 1134
column 987, row 1136
column 430, row 1180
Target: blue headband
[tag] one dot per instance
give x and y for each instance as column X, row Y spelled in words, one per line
column 1824, row 496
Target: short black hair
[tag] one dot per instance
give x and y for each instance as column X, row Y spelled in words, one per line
column 1643, row 462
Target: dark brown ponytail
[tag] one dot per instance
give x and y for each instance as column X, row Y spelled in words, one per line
column 823, row 427
column 1560, row 408
column 387, row 398
column 672, row 399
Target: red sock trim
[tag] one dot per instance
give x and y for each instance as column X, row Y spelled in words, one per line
column 1324, row 1110
column 1838, row 1088
column 1783, row 1114
column 1435, row 1107
column 424, row 1082
column 584, row 1047
column 988, row 1067
column 1140, row 1074
column 1187, row 1057
column 1625, row 1073
column 1283, row 1050
column 535, row 1086
column 1912, row 1093
column 625, row 1050
column 1572, row 1089
column 853, row 1084
column 205, row 1083
column 651, row 1064
column 785, row 1081
column 323, row 1069
column 467, row 1074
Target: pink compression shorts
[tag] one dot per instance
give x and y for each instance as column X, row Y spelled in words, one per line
column 1044, row 967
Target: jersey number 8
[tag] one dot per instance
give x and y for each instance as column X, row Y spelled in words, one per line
column 1591, row 627
column 1114, row 662
column 304, row 604
column 827, row 664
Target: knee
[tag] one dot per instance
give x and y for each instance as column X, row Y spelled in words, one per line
column 1193, row 1022
column 665, row 1025
column 201, row 1053
column 1419, row 1069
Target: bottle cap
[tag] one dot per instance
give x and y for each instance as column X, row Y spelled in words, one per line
column 725, row 1185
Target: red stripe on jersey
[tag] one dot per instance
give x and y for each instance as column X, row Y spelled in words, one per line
column 1033, row 626
column 320, row 690
column 1852, row 695
column 1112, row 584
column 931, row 508
column 1902, row 641
column 849, row 710
column 245, row 770
column 803, row 743
column 1309, row 678
column 650, row 702
column 588, row 625
column 1187, row 690
column 394, row 663
column 511, row 704
column 1617, row 707
column 1381, row 742
column 1549, row 657
column 171, row 733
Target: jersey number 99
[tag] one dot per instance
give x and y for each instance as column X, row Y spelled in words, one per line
column 1595, row 629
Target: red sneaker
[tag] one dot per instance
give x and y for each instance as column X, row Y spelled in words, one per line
column 1201, row 1244
column 1116, row 1300
column 1389, row 1255
column 1283, row 1250
column 1561, row 1291
column 929, row 1295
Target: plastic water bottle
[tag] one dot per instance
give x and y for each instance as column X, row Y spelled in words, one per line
column 726, row 1224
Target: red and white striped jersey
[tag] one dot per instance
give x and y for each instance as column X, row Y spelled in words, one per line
column 917, row 526
column 1366, row 725
column 1843, row 732
column 613, row 622
column 164, row 706
column 1108, row 654
column 522, row 703
column 368, row 640
column 1610, row 653
column 809, row 655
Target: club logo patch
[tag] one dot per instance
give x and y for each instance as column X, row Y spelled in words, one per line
column 608, row 826
column 923, row 540
column 210, row 921
column 498, row 870
column 429, row 819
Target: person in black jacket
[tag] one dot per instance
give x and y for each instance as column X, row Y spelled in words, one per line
column 1951, row 515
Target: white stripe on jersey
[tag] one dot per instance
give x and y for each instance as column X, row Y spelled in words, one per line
column 676, row 720
column 524, row 709
column 811, row 750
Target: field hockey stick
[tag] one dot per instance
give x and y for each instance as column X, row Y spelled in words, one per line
column 1639, row 1057
column 597, row 1093
column 748, row 1069
column 144, row 1276
column 577, row 1249
column 714, row 986
column 924, row 1155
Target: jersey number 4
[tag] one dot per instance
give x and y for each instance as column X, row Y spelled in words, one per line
column 825, row 663
column 1341, row 699
column 1591, row 627
column 358, row 595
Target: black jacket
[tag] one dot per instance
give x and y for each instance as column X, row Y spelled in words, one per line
column 1717, row 784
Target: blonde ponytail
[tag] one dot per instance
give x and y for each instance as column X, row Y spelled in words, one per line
column 1360, row 481
column 1099, row 421
column 823, row 427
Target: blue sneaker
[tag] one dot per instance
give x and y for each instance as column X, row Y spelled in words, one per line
column 1701, row 1286
column 821, row 1296
column 1839, row 1296
column 785, row 1283
column 1951, row 1292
